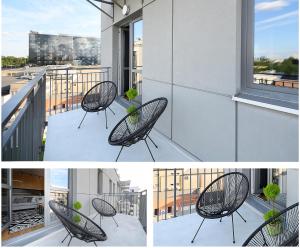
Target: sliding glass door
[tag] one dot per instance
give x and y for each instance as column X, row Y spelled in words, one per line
column 6, row 198
column 131, row 57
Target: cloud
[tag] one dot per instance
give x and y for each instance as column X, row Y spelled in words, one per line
column 277, row 18
column 273, row 5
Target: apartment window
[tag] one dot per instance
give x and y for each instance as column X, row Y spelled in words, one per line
column 270, row 51
column 100, row 181
column 110, row 186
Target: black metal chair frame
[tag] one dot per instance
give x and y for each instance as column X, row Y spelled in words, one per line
column 293, row 240
column 102, row 213
column 68, row 225
column 225, row 212
column 141, row 133
column 100, row 107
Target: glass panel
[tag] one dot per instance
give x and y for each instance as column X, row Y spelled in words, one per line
column 279, row 176
column 137, row 79
column 276, row 60
column 137, row 51
column 5, row 207
column 4, row 176
column 59, row 187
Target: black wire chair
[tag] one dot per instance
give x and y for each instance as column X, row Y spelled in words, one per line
column 284, row 232
column 137, row 125
column 99, row 98
column 223, row 197
column 77, row 225
column 104, row 209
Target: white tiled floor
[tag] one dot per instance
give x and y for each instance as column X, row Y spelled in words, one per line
column 129, row 233
column 65, row 142
column 179, row 231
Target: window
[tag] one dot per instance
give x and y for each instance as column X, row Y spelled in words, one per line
column 270, row 45
column 6, row 198
column 110, row 186
column 100, row 182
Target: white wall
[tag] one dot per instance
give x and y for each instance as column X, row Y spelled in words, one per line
column 292, row 186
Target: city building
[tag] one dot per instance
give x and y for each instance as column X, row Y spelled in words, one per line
column 27, row 217
column 46, row 49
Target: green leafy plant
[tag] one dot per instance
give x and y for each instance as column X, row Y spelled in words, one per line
column 131, row 109
column 76, row 218
column 271, row 191
column 131, row 95
column 77, row 205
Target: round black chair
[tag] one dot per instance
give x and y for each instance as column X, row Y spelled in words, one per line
column 77, row 225
column 223, row 197
column 99, row 98
column 137, row 125
column 289, row 230
column 104, row 209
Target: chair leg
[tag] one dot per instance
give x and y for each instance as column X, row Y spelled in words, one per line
column 119, row 153
column 115, row 221
column 95, row 244
column 111, row 110
column 232, row 229
column 95, row 216
column 197, row 231
column 241, row 216
column 149, row 150
column 152, row 142
column 65, row 237
column 82, row 120
column 105, row 118
column 70, row 241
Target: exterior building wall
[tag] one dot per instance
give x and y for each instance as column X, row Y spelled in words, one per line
column 192, row 56
column 85, row 186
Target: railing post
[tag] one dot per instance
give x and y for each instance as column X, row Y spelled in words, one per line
column 67, row 89
column 175, row 193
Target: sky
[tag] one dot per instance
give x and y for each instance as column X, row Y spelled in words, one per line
column 19, row 17
column 59, row 177
column 276, row 26
column 136, row 176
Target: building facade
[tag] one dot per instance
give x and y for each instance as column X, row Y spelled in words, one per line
column 198, row 56
column 45, row 49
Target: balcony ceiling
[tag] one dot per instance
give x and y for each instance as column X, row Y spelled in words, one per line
column 180, row 231
column 65, row 142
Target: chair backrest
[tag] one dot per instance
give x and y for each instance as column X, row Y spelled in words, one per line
column 283, row 231
column 148, row 114
column 76, row 223
column 223, row 196
column 101, row 95
column 103, row 207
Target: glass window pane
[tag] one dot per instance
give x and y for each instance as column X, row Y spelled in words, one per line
column 137, row 56
column 276, row 59
column 5, row 207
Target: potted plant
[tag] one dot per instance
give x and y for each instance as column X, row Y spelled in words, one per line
column 271, row 191
column 131, row 95
column 77, row 205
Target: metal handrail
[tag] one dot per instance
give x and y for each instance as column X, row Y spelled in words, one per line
column 13, row 104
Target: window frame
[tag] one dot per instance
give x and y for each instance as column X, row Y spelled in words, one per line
column 277, row 95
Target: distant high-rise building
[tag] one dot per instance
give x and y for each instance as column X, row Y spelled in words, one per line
column 45, row 49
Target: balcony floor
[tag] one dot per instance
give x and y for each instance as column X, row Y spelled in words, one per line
column 180, row 231
column 129, row 233
column 65, row 142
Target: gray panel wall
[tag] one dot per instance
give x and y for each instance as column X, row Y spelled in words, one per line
column 266, row 135
column 192, row 56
